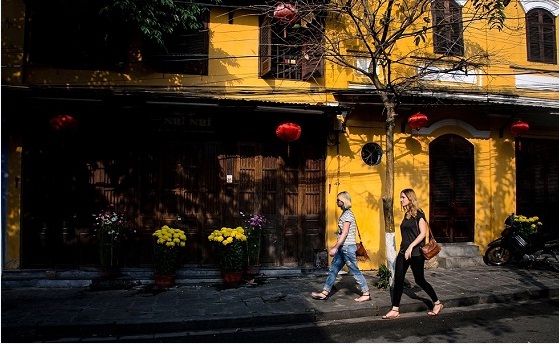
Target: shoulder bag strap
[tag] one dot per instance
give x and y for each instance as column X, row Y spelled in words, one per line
column 429, row 233
column 357, row 228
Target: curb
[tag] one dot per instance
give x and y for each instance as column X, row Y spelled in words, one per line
column 152, row 329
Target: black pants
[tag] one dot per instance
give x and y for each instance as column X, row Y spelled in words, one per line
column 417, row 264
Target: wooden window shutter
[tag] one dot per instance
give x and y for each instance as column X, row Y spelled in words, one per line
column 540, row 36
column 185, row 51
column 199, row 42
column 447, row 30
column 456, row 39
column 265, row 51
column 312, row 62
column 438, row 37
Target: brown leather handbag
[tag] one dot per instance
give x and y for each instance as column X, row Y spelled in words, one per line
column 432, row 248
column 361, row 251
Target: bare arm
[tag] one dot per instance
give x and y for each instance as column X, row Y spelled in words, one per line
column 341, row 239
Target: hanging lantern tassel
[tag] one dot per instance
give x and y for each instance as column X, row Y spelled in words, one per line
column 518, row 128
column 417, row 121
column 288, row 132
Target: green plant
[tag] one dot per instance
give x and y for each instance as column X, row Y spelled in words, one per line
column 167, row 248
column 384, row 275
column 156, row 18
column 231, row 248
column 527, row 225
column 110, row 230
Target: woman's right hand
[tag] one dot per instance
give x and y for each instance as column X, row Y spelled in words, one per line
column 333, row 251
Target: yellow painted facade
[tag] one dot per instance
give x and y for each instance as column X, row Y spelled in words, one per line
column 495, row 177
column 494, row 182
column 233, row 68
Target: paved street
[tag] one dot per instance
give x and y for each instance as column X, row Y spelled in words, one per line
column 36, row 314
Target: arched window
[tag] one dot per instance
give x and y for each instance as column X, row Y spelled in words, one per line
column 540, row 36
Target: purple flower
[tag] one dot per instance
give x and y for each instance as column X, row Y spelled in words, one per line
column 254, row 220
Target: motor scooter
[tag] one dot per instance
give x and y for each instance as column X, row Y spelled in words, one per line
column 513, row 247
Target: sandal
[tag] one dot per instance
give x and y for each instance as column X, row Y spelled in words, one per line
column 323, row 295
column 365, row 297
column 437, row 308
column 393, row 314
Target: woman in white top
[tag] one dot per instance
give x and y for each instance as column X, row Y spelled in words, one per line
column 344, row 252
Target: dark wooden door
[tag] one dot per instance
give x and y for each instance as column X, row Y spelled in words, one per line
column 537, row 181
column 452, row 189
column 194, row 186
column 288, row 190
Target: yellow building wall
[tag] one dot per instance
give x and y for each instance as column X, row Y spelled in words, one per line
column 495, row 57
column 494, row 157
column 233, row 65
column 494, row 169
column 13, row 22
column 12, row 232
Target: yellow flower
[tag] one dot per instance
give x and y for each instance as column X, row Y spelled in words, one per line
column 227, row 235
column 170, row 237
column 231, row 247
column 167, row 249
column 527, row 225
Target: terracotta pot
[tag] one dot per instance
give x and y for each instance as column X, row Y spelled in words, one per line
column 164, row 281
column 252, row 270
column 232, row 278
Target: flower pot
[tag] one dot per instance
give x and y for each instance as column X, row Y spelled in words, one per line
column 164, row 281
column 252, row 271
column 232, row 278
column 109, row 255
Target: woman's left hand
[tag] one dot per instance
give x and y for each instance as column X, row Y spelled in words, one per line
column 407, row 254
column 333, row 251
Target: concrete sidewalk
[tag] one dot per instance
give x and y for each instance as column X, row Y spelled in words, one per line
column 81, row 313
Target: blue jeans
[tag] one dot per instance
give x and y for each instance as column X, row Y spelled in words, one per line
column 345, row 256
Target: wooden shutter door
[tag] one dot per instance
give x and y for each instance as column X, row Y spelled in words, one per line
column 452, row 193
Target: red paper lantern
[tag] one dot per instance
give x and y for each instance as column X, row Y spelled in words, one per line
column 417, row 121
column 285, row 12
column 288, row 131
column 519, row 127
column 63, row 122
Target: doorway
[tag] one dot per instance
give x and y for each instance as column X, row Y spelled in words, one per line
column 452, row 193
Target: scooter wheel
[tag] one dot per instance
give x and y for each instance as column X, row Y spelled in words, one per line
column 497, row 255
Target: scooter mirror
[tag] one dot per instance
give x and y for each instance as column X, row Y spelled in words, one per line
column 509, row 221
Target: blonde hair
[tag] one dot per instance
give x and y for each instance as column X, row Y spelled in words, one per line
column 412, row 208
column 346, row 199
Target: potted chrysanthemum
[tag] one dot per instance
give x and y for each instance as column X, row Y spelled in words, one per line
column 253, row 225
column 230, row 244
column 169, row 241
column 109, row 230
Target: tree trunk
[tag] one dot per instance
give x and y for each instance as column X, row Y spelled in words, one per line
column 388, row 197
